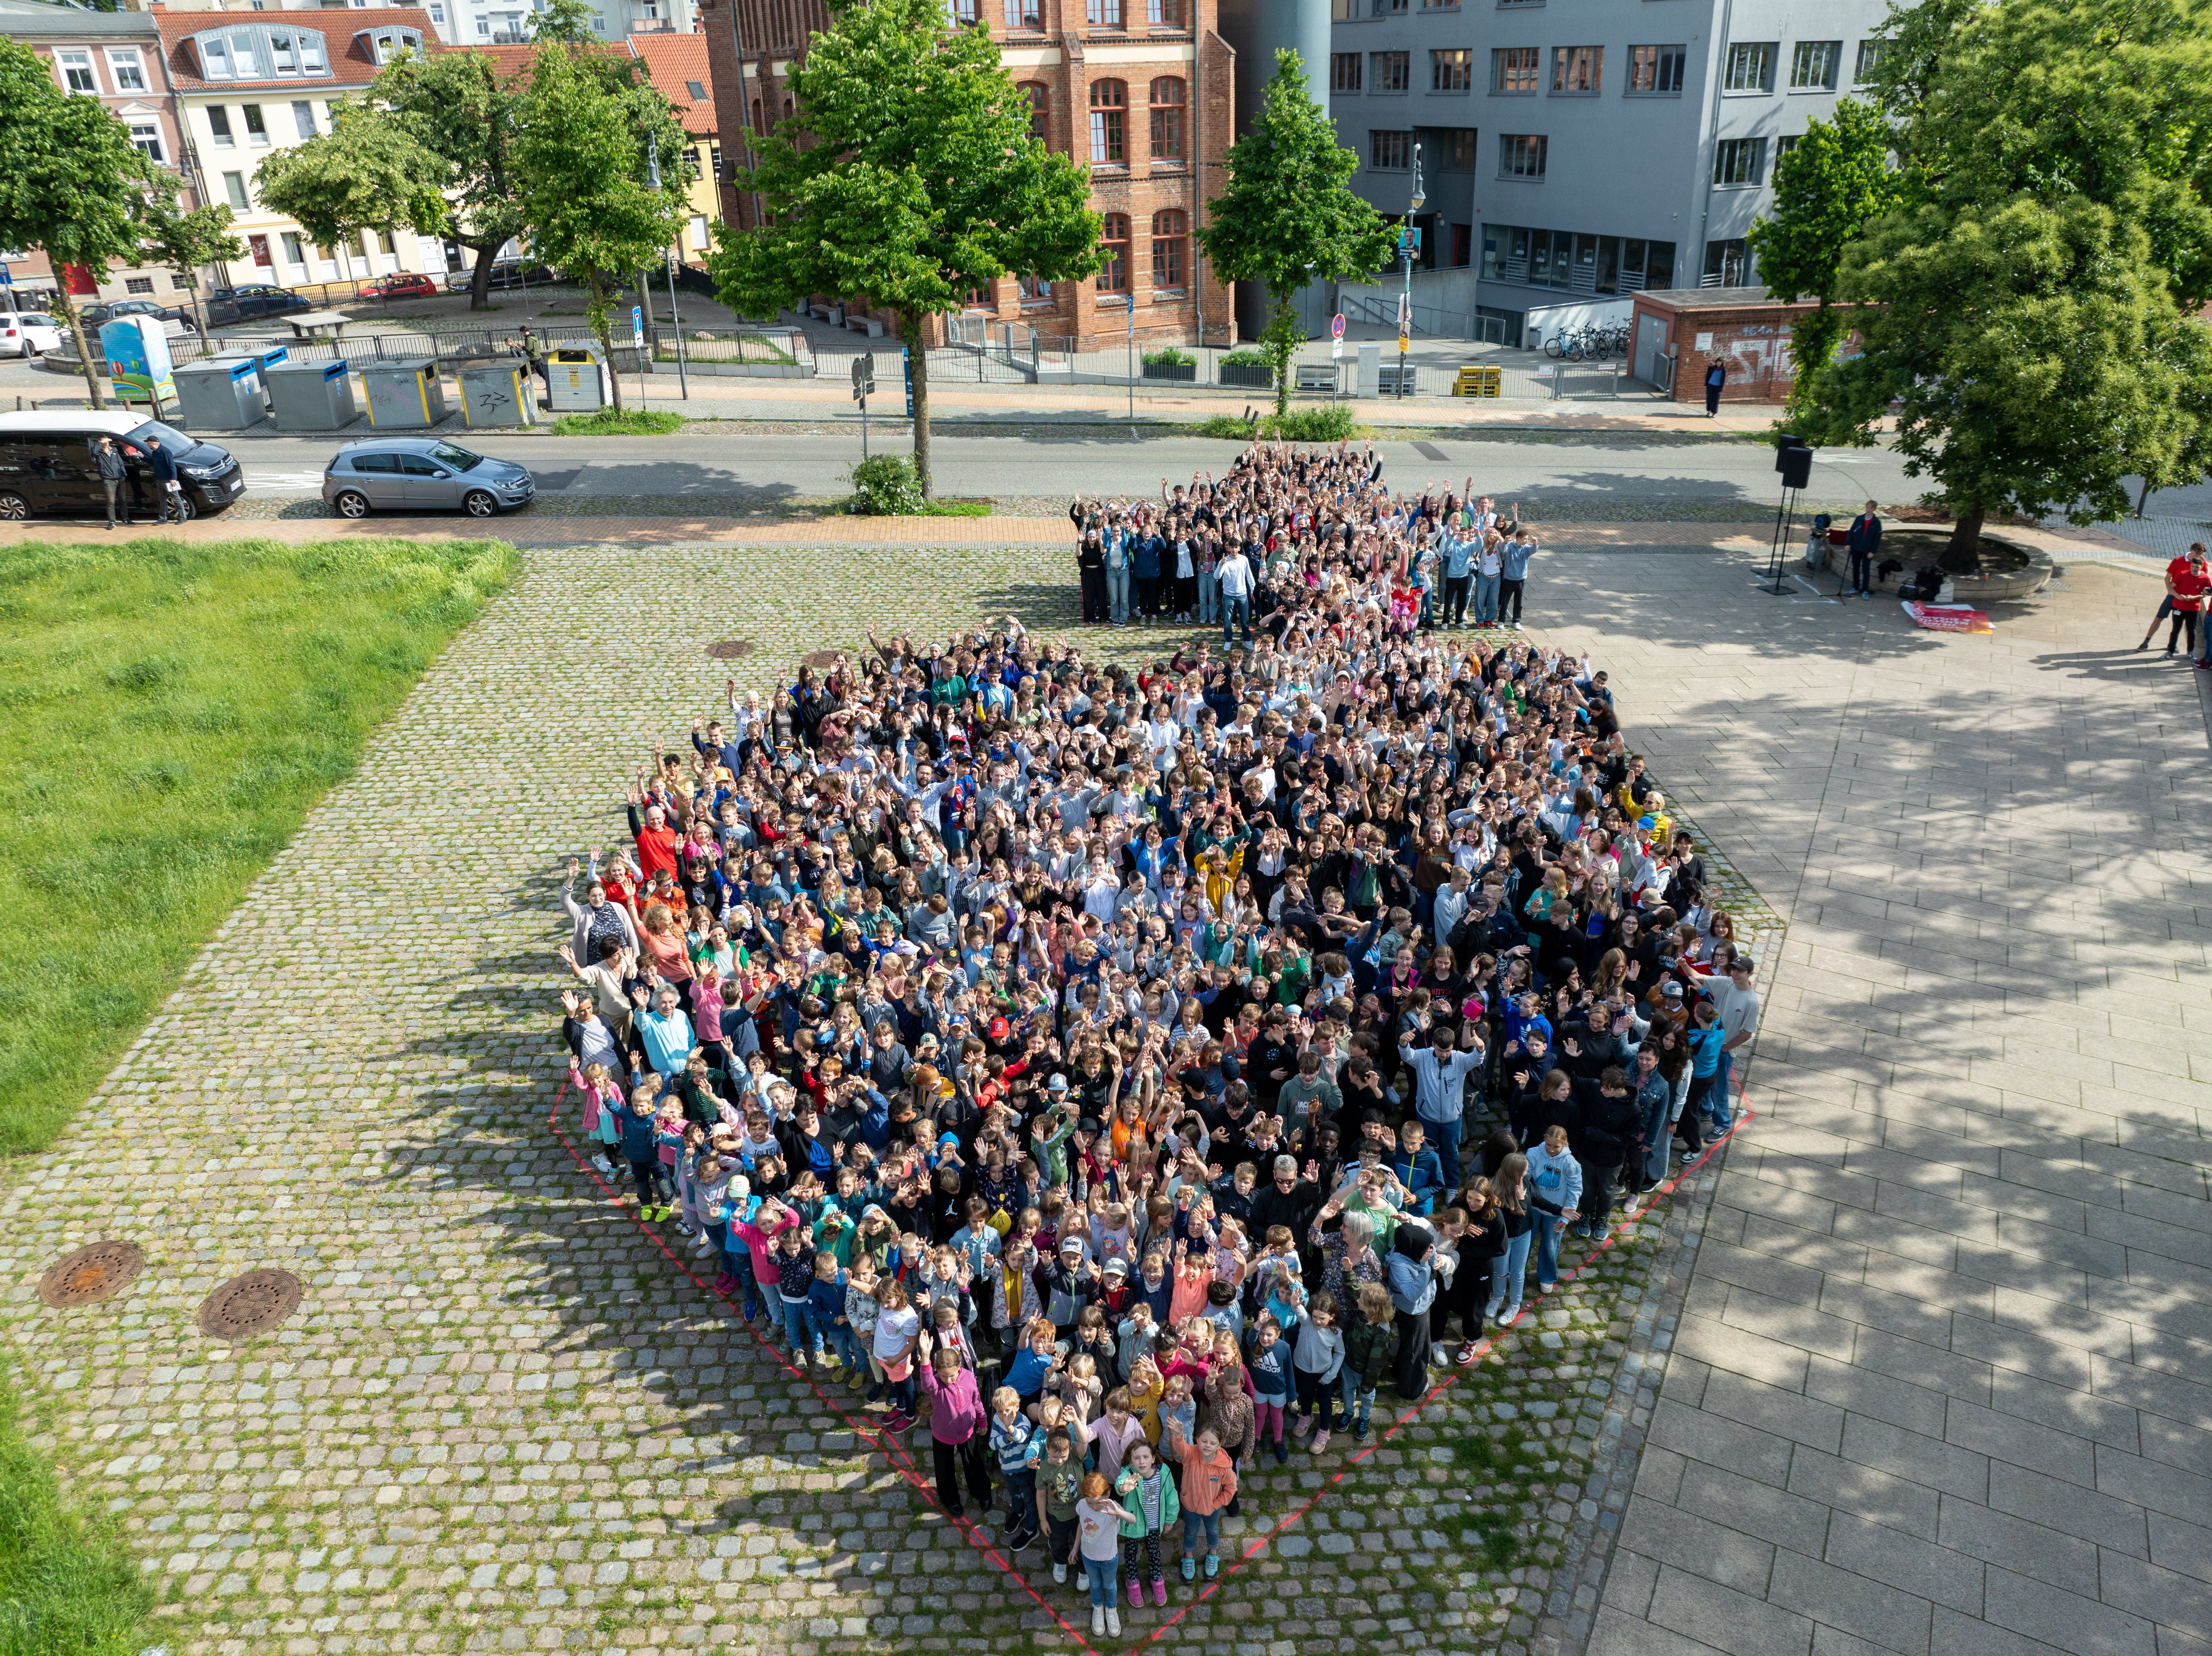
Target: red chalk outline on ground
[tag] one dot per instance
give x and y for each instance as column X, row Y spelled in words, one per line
column 897, row 1453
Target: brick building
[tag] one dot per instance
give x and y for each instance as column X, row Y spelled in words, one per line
column 1139, row 91
column 1674, row 332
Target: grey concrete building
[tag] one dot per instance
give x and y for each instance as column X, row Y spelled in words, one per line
column 1576, row 153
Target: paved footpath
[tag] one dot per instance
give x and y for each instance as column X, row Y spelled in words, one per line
column 502, row 1419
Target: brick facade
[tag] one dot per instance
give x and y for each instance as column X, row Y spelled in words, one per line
column 1744, row 328
column 752, row 45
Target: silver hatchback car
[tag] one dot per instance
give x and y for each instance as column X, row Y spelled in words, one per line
column 423, row 474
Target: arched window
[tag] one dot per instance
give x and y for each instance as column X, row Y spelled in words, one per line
column 1115, row 278
column 1170, row 230
column 787, row 109
column 1040, row 97
column 1166, row 118
column 758, row 125
column 1108, row 135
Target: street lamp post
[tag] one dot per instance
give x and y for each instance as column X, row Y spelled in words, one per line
column 675, row 321
column 1406, row 304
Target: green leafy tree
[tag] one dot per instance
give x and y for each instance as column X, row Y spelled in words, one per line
column 366, row 173
column 908, row 177
column 454, row 105
column 583, row 191
column 1836, row 177
column 2034, row 355
column 1289, row 216
column 71, row 184
column 186, row 242
column 567, row 21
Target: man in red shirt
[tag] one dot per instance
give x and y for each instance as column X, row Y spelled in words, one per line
column 2187, row 581
column 659, row 847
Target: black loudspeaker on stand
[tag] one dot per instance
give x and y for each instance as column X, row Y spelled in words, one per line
column 1793, row 458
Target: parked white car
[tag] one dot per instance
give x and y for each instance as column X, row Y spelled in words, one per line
column 28, row 333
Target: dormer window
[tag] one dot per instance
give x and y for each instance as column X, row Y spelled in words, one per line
column 384, row 44
column 215, row 58
column 261, row 52
column 311, row 61
column 282, row 54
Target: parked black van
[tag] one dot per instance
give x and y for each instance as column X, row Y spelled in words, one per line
column 48, row 465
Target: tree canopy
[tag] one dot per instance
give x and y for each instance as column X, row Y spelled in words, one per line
column 366, row 173
column 907, row 176
column 455, row 107
column 1289, row 216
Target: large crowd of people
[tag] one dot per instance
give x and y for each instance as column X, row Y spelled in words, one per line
column 1132, row 1069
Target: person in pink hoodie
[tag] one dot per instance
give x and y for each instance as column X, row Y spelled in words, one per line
column 958, row 1428
column 772, row 1220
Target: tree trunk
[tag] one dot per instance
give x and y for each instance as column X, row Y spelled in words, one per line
column 480, row 277
column 1281, row 343
column 605, row 334
column 1963, row 553
column 917, row 350
column 69, row 310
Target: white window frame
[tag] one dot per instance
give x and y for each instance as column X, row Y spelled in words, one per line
column 1801, row 51
column 1742, row 54
column 303, row 118
column 146, row 139
column 126, row 60
column 1726, row 150
column 220, row 134
column 66, row 63
column 235, row 193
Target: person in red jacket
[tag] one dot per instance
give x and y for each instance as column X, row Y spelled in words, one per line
column 659, row 846
column 957, row 1428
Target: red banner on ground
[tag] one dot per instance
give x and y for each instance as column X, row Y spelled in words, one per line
column 1949, row 618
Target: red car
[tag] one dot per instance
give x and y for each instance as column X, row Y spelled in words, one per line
column 406, row 285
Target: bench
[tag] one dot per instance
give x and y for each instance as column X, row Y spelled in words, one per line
column 867, row 325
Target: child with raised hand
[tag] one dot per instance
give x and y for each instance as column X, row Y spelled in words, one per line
column 1058, row 1486
column 602, row 1100
column 1018, row 1447
column 1209, row 1485
column 1098, row 1518
column 960, row 1438
column 1194, row 1273
column 1270, row 1369
column 1116, row 1431
column 793, row 1264
column 1147, row 1390
column 1178, row 1407
column 1149, row 1505
column 1317, row 1357
column 861, row 1285
column 1371, row 1341
column 826, row 1312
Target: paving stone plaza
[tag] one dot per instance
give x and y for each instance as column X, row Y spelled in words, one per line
column 1917, row 1365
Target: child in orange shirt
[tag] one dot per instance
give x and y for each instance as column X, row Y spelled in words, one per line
column 1209, row 1485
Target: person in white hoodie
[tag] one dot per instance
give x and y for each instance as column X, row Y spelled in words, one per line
column 1555, row 1192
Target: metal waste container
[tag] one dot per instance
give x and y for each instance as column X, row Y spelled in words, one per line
column 270, row 356
column 499, row 394
column 222, row 393
column 577, row 380
column 312, row 395
column 405, row 394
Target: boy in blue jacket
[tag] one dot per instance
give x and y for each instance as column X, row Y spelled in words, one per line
column 1420, row 1169
column 825, row 1311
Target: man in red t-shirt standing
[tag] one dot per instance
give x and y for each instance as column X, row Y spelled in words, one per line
column 2187, row 582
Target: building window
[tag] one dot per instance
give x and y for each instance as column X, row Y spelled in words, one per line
column 1115, row 278
column 1513, row 70
column 1166, row 118
column 1458, row 150
column 242, row 56
column 702, row 237
column 1163, row 14
column 1025, row 14
column 1109, row 142
column 1392, row 71
column 125, row 70
column 1391, row 151
column 1036, row 290
column 1169, row 230
column 758, row 125
column 1750, row 67
column 1452, row 71
column 1656, row 70
column 966, row 12
column 1781, row 147
column 256, row 134
column 1521, row 156
column 1342, row 11
column 1102, row 13
column 1040, row 99
column 219, row 125
column 437, row 14
column 215, row 60
column 1740, row 161
column 1726, row 264
column 234, row 187
column 282, row 54
column 1344, row 71
column 303, row 118
column 1813, row 65
column 77, row 72
column 1385, row 8
column 139, row 284
column 294, row 253
column 181, row 284
column 310, row 56
column 1869, row 55
column 1577, row 68
column 715, row 158
column 599, row 24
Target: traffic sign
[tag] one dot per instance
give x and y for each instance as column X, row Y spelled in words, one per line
column 864, row 377
column 1336, row 325
column 637, row 325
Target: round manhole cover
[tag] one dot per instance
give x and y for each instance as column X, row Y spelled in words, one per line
column 92, row 1273
column 731, row 648
column 821, row 659
column 246, row 1304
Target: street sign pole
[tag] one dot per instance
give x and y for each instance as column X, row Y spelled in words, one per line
column 864, row 381
column 1335, row 357
column 637, row 338
column 676, row 323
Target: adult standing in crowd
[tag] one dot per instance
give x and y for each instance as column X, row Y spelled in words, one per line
column 1864, row 542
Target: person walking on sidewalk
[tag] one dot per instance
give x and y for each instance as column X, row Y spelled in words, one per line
column 1865, row 540
column 169, row 492
column 1716, row 377
column 2186, row 584
column 1513, row 570
column 114, row 477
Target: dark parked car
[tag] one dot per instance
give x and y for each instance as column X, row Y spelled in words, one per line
column 509, row 273
column 93, row 315
column 408, row 284
column 49, row 466
column 418, row 473
column 227, row 305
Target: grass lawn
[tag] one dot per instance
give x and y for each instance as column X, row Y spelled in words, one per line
column 67, row 1587
column 168, row 715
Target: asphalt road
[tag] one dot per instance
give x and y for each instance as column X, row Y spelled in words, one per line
column 774, row 467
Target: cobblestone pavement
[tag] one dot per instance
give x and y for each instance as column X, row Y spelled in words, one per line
column 502, row 1418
